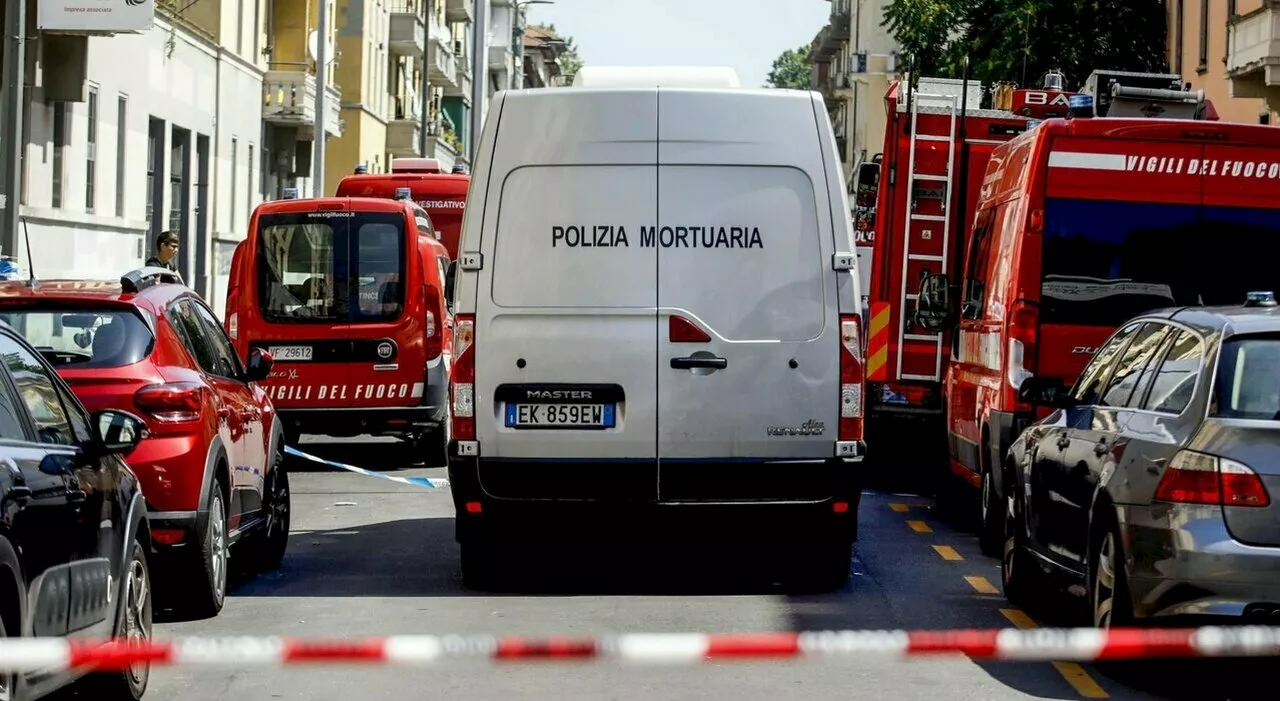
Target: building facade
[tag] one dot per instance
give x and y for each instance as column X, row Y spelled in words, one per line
column 1201, row 37
column 853, row 60
column 133, row 134
column 1250, row 58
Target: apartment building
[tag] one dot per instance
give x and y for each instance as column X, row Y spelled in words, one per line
column 1222, row 47
column 131, row 132
column 1250, row 58
column 541, row 51
column 853, row 59
column 449, row 108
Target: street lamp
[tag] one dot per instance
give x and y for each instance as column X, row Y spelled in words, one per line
column 517, row 34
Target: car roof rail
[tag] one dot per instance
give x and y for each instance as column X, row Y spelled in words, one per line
column 142, row 278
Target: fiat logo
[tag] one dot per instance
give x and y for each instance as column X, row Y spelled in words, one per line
column 385, row 350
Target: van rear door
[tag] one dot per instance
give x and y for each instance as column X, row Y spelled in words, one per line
column 565, row 344
column 748, row 347
column 301, row 260
column 1116, row 213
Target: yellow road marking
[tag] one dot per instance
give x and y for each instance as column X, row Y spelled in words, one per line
column 900, row 508
column 1074, row 674
column 982, row 585
column 919, row 526
column 947, row 552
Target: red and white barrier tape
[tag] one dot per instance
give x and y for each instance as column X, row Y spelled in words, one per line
column 1042, row 644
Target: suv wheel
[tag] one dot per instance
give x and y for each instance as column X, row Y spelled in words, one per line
column 202, row 586
column 271, row 543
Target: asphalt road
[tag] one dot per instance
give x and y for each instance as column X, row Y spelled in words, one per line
column 374, row 557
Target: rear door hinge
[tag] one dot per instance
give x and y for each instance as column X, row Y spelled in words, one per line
column 471, row 261
column 843, row 261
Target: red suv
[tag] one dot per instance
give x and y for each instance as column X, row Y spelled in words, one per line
column 211, row 465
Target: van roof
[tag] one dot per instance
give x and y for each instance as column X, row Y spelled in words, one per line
column 438, row 183
column 649, row 77
column 312, row 204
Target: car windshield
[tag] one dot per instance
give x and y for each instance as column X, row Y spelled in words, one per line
column 1249, row 378
column 85, row 338
column 331, row 266
column 1106, row 262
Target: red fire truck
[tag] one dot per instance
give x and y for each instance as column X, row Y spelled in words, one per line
column 939, row 140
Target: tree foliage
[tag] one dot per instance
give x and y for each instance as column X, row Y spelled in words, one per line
column 570, row 61
column 790, row 70
column 1020, row 40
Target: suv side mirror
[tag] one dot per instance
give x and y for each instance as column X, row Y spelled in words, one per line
column 259, row 366
column 117, row 432
column 449, row 277
column 933, row 307
column 1044, row 391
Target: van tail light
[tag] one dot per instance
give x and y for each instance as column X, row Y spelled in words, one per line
column 172, row 403
column 1197, row 478
column 851, row 377
column 432, row 321
column 681, row 330
column 233, row 326
column 1024, row 327
column 462, row 379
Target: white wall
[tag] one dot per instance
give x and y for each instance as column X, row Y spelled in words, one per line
column 167, row 75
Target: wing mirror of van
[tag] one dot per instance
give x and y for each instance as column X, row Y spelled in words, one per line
column 1044, row 391
column 259, row 366
column 933, row 307
column 450, row 276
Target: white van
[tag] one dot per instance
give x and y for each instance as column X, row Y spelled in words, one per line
column 657, row 312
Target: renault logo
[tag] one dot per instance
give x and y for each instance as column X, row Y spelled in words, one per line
column 385, row 350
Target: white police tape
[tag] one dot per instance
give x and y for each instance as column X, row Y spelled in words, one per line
column 428, row 482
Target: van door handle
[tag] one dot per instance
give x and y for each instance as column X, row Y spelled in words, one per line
column 691, row 363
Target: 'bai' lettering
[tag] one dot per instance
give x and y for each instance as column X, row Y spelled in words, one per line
column 589, row 237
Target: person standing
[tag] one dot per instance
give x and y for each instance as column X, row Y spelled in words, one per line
column 166, row 252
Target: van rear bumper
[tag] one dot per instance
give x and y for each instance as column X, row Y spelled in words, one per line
column 606, row 500
column 357, row 421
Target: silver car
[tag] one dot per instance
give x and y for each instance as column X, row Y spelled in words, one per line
column 1152, row 487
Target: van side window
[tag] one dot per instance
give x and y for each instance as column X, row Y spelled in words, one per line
column 976, row 270
column 1176, row 380
column 1088, row 388
column 1132, row 365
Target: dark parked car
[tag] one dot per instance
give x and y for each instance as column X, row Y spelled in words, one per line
column 1153, row 484
column 74, row 537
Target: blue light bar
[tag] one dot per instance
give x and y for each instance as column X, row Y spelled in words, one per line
column 1080, row 102
column 404, row 193
column 1261, row 299
column 1033, row 123
column 289, row 193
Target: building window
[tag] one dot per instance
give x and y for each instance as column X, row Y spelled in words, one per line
column 91, row 151
column 122, row 130
column 177, row 161
column 235, row 167
column 240, row 27
column 59, row 148
column 249, row 181
column 1203, row 61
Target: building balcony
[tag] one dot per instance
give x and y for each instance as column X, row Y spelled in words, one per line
column 289, row 100
column 458, row 11
column 823, row 47
column 461, row 86
column 442, row 144
column 1253, row 52
column 408, row 32
column 839, row 85
column 403, row 137
column 841, row 19
column 444, row 67
column 500, row 57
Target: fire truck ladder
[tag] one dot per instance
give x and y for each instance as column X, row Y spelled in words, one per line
column 951, row 105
